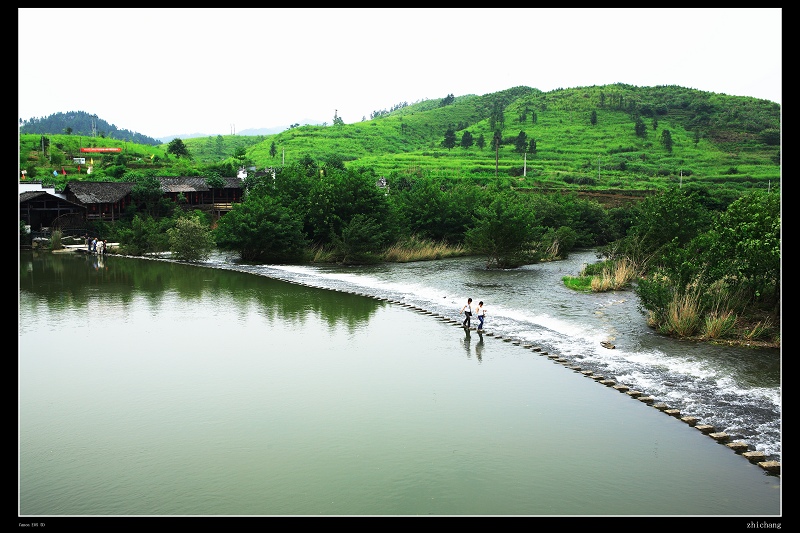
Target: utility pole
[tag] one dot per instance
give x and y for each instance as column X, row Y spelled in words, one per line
column 525, row 165
column 598, row 169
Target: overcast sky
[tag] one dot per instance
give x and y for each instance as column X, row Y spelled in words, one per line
column 171, row 71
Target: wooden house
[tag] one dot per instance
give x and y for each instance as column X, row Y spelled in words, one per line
column 43, row 211
column 103, row 200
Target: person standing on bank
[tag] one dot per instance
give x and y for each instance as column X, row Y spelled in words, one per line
column 467, row 310
column 481, row 312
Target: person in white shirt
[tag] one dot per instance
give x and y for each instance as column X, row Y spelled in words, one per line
column 467, row 310
column 481, row 312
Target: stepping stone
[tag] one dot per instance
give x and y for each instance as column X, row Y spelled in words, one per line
column 719, row 437
column 737, row 446
column 754, row 457
column 771, row 466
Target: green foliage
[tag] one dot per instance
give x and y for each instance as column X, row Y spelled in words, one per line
column 147, row 195
column 505, row 232
column 521, row 142
column 190, row 239
column 177, row 148
column 670, row 218
column 449, row 138
column 639, row 127
column 145, row 235
column 738, row 255
column 745, row 246
column 467, row 140
column 666, row 140
column 337, row 196
column 80, row 123
column 261, row 229
column 361, row 241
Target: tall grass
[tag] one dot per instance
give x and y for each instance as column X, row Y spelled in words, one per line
column 718, row 325
column 611, row 275
column 414, row 248
column 683, row 317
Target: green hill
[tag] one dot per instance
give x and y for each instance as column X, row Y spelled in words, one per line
column 611, row 137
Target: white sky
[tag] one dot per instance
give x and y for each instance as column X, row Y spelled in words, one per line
column 172, row 71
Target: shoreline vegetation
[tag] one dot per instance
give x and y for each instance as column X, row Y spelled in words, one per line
column 725, row 328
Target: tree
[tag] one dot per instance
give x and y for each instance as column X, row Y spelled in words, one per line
column 273, row 150
column 639, row 127
column 521, row 142
column 655, row 123
column 496, row 140
column 745, row 246
column 467, row 140
column 593, row 117
column 337, row 196
column 261, row 229
column 190, row 239
column 532, row 146
column 337, row 120
column 449, row 138
column 177, row 148
column 481, row 142
column 360, row 240
column 505, row 232
column 147, row 194
column 214, row 181
column 666, row 140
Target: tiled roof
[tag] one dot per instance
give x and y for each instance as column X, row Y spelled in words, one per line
column 183, row 184
column 93, row 192
column 96, row 192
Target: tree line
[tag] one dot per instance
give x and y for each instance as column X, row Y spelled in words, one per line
column 691, row 251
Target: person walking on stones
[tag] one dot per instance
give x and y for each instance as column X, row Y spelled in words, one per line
column 481, row 312
column 467, row 311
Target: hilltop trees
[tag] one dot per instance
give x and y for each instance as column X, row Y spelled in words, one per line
column 666, row 140
column 467, row 140
column 449, row 138
column 177, row 148
column 521, row 142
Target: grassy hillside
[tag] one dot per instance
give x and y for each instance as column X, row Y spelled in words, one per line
column 585, row 139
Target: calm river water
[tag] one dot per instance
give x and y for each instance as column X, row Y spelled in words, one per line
column 154, row 388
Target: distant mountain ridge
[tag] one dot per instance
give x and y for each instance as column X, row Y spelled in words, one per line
column 248, row 132
column 88, row 124
column 81, row 123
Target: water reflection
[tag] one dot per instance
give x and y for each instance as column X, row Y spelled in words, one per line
column 75, row 279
